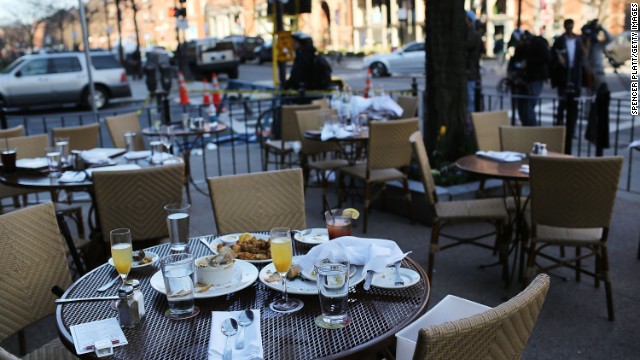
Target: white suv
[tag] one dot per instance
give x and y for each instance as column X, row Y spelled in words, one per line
column 43, row 79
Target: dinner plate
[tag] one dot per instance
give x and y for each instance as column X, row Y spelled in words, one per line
column 311, row 275
column 301, row 286
column 136, row 264
column 315, row 237
column 213, row 245
column 244, row 274
column 387, row 278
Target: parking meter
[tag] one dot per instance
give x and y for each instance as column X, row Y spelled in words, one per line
column 151, row 78
column 165, row 77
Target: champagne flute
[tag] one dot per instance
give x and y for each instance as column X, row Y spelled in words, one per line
column 282, row 255
column 121, row 251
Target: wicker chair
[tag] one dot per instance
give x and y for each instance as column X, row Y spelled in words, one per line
column 5, row 190
column 84, row 137
column 485, row 125
column 135, row 199
column 491, row 210
column 521, row 138
column 498, row 333
column 323, row 103
column 409, row 105
column 318, row 156
column 119, row 125
column 29, row 146
column 388, row 151
column 32, row 261
column 258, row 201
column 283, row 147
column 12, row 132
column 571, row 205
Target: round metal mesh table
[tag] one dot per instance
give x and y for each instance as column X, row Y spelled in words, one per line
column 377, row 315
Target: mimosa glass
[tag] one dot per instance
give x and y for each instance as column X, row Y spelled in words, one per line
column 282, row 255
column 121, row 251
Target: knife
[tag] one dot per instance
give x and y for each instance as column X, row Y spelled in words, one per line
column 97, row 298
column 109, row 284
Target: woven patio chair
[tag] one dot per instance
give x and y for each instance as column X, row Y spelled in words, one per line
column 572, row 203
column 498, row 333
column 409, row 105
column 492, row 210
column 12, row 132
column 485, row 129
column 323, row 103
column 258, row 201
column 32, row 261
column 388, row 159
column 8, row 191
column 135, row 199
column 521, row 138
column 289, row 134
column 321, row 157
column 119, row 125
column 84, row 137
column 29, row 146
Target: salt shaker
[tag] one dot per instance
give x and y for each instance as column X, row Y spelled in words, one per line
column 128, row 315
column 536, row 148
column 543, row 149
column 138, row 296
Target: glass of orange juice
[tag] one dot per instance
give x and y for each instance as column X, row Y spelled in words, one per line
column 121, row 251
column 282, row 255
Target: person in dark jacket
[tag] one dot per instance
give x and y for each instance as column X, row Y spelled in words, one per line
column 473, row 48
column 302, row 69
column 567, row 56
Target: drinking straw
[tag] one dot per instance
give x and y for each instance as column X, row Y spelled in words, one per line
column 326, row 204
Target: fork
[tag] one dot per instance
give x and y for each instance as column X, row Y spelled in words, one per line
column 399, row 281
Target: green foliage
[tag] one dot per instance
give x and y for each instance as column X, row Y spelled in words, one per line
column 450, row 146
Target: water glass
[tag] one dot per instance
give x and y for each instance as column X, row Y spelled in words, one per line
column 177, row 270
column 178, row 225
column 333, row 288
column 156, row 150
column 129, row 142
column 337, row 225
column 62, row 143
column 54, row 160
column 8, row 157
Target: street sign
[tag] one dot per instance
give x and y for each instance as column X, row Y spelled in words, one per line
column 285, row 46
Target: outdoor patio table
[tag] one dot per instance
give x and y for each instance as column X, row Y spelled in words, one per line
column 377, row 315
column 351, row 147
column 190, row 138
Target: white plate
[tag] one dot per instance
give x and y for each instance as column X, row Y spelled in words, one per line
column 213, row 245
column 300, row 286
column 35, row 163
column 309, row 274
column 244, row 274
column 136, row 264
column 387, row 278
column 315, row 237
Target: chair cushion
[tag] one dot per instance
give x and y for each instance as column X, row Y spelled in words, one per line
column 328, row 164
column 482, row 209
column 53, row 350
column 567, row 236
column 378, row 175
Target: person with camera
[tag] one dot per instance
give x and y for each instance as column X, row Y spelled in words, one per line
column 567, row 58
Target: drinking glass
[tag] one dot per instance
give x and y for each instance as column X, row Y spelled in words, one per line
column 282, row 255
column 156, row 150
column 333, row 288
column 54, row 161
column 178, row 224
column 62, row 143
column 8, row 157
column 167, row 137
column 121, row 251
column 129, row 138
column 337, row 225
column 176, row 273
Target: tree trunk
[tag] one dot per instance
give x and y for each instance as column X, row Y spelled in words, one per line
column 446, row 78
column 119, row 24
column 135, row 23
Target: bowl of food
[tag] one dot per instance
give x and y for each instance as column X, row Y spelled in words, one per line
column 215, row 270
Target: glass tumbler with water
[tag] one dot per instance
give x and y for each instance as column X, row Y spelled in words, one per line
column 54, row 160
column 176, row 273
column 333, row 288
column 178, row 225
column 62, row 143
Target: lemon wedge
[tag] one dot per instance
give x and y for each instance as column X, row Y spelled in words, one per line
column 245, row 237
column 351, row 213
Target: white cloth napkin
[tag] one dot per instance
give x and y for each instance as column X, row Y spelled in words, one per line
column 73, row 176
column 330, row 131
column 35, row 163
column 359, row 105
column 387, row 104
column 502, row 156
column 136, row 155
column 374, row 254
column 122, row 167
column 252, row 338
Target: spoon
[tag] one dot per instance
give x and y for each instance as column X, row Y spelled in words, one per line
column 229, row 328
column 303, row 233
column 245, row 319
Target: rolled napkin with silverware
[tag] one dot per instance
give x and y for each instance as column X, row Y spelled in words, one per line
column 253, row 348
column 374, row 255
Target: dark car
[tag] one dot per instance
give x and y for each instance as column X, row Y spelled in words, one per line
column 245, row 46
column 264, row 52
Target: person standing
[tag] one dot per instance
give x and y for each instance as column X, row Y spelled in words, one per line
column 473, row 50
column 567, row 55
column 595, row 39
column 536, row 67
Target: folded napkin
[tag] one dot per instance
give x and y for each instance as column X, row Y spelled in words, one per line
column 502, row 156
column 330, row 131
column 252, row 337
column 73, row 176
column 136, row 155
column 373, row 254
column 387, row 104
column 122, row 167
column 156, row 158
column 35, row 163
column 359, row 104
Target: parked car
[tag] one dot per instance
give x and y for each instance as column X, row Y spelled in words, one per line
column 619, row 50
column 409, row 59
column 245, row 46
column 212, row 55
column 264, row 52
column 43, row 79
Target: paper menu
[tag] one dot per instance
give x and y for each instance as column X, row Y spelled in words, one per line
column 85, row 335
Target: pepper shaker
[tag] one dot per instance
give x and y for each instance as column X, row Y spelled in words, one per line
column 128, row 315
